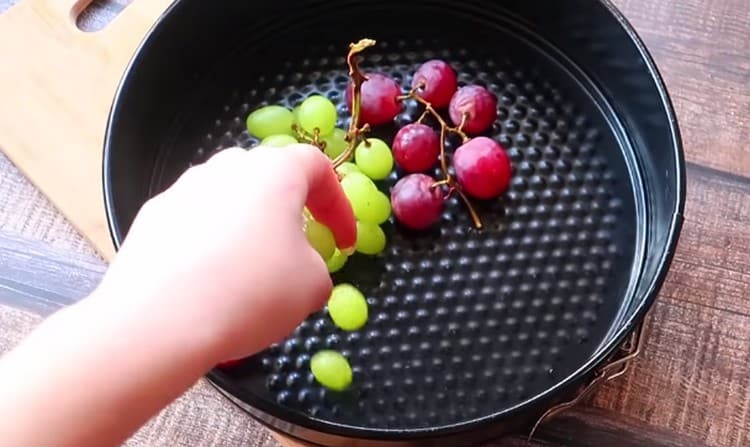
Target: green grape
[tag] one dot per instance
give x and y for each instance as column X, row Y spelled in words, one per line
column 370, row 238
column 376, row 210
column 357, row 182
column 279, row 141
column 347, row 307
column 317, row 112
column 337, row 261
column 375, row 160
column 321, row 238
column 331, row 369
column 368, row 203
column 347, row 168
column 270, row 120
column 359, row 189
column 336, row 143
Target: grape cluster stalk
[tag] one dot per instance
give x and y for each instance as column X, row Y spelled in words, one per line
column 445, row 129
column 356, row 133
column 312, row 138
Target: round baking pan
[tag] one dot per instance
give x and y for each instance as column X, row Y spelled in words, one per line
column 471, row 332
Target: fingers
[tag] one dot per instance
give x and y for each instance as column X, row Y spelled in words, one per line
column 230, row 154
column 313, row 173
column 324, row 197
column 319, row 283
column 202, row 173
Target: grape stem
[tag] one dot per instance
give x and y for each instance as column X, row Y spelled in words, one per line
column 355, row 133
column 474, row 215
column 307, row 137
column 429, row 110
column 444, row 130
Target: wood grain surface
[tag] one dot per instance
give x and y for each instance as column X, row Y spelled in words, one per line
column 694, row 375
column 701, row 49
column 57, row 96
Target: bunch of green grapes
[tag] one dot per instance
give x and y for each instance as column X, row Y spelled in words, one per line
column 278, row 126
column 314, row 121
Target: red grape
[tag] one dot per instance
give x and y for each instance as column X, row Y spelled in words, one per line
column 439, row 82
column 415, row 202
column 479, row 105
column 379, row 104
column 416, row 147
column 482, row 168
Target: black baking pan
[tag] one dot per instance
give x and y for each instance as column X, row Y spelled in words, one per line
column 471, row 332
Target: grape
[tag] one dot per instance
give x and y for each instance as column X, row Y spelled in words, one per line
column 479, row 105
column 416, row 203
column 358, row 188
column 439, row 82
column 368, row 203
column 370, row 238
column 482, row 167
column 379, row 99
column 279, row 141
column 270, row 120
column 320, row 237
column 355, row 179
column 317, row 112
column 347, row 168
column 375, row 160
column 337, row 261
column 416, row 147
column 376, row 210
column 336, row 143
column 347, row 307
column 331, row 369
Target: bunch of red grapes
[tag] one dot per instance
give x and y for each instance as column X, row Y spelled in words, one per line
column 481, row 165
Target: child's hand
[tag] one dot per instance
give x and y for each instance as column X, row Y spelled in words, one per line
column 222, row 255
column 215, row 268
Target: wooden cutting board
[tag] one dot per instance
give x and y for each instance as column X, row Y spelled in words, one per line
column 56, row 87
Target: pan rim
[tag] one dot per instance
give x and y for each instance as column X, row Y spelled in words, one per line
column 606, row 348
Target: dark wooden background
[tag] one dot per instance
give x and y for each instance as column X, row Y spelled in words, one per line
column 694, row 375
column 691, row 385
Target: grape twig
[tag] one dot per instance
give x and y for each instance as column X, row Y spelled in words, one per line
column 308, row 137
column 445, row 128
column 428, row 109
column 355, row 132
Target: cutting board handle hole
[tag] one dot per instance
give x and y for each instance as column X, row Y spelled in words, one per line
column 93, row 16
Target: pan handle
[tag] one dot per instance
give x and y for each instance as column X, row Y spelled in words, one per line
column 64, row 13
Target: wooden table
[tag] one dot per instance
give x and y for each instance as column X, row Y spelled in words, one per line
column 690, row 387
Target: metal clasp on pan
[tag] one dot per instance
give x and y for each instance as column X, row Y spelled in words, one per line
column 613, row 370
